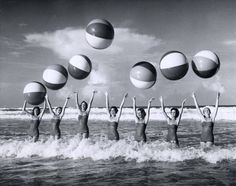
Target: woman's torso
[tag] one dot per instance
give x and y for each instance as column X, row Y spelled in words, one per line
column 112, row 129
column 34, row 125
column 140, row 134
column 172, row 131
column 83, row 123
column 207, row 131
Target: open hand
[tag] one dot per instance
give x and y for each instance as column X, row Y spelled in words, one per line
column 161, row 99
column 150, row 100
column 125, row 95
column 183, row 102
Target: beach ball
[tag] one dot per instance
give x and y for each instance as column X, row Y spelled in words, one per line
column 99, row 33
column 55, row 76
column 143, row 75
column 79, row 66
column 34, row 93
column 174, row 65
column 205, row 64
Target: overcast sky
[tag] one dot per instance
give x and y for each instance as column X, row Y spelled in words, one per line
column 36, row 34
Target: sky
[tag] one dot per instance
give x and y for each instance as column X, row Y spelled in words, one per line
column 36, row 34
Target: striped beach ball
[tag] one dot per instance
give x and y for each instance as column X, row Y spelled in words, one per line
column 79, row 66
column 99, row 33
column 34, row 93
column 205, row 64
column 143, row 75
column 55, row 76
column 174, row 65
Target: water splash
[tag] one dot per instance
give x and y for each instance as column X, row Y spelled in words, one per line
column 106, row 150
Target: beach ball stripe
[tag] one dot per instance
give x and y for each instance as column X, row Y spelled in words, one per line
column 205, row 64
column 55, row 76
column 100, row 28
column 143, row 75
column 174, row 65
column 34, row 93
column 99, row 33
column 79, row 66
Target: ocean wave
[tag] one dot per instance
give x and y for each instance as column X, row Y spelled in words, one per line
column 224, row 113
column 107, row 150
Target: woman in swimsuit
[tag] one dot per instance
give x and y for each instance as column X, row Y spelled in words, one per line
column 173, row 122
column 83, row 114
column 114, row 118
column 56, row 118
column 36, row 117
column 207, row 136
column 141, row 120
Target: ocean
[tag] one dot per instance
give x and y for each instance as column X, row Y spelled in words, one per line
column 97, row 161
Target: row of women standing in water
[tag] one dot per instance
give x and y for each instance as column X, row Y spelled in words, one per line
column 140, row 115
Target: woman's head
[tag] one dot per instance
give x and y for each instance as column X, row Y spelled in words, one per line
column 113, row 111
column 83, row 106
column 174, row 112
column 140, row 113
column 36, row 111
column 206, row 112
column 58, row 110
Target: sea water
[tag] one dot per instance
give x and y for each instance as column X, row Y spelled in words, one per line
column 97, row 161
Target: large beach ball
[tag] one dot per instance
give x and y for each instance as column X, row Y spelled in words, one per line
column 205, row 64
column 174, row 65
column 143, row 75
column 79, row 66
column 34, row 93
column 99, row 33
column 55, row 76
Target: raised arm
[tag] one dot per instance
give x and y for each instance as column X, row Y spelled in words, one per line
column 121, row 106
column 181, row 112
column 64, row 107
column 197, row 106
column 134, row 107
column 42, row 113
column 49, row 105
column 216, row 106
column 163, row 108
column 77, row 102
column 91, row 101
column 24, row 109
column 107, row 103
column 148, row 110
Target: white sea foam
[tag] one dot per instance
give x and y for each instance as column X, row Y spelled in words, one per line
column 107, row 150
column 224, row 113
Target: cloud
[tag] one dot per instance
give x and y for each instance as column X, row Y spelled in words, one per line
column 97, row 78
column 64, row 92
column 109, row 65
column 70, row 41
column 230, row 42
column 214, row 85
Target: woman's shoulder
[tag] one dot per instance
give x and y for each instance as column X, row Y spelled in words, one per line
column 112, row 119
column 172, row 122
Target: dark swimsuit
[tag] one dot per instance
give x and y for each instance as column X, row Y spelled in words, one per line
column 83, row 124
column 34, row 128
column 171, row 135
column 55, row 130
column 112, row 131
column 207, row 131
column 140, row 131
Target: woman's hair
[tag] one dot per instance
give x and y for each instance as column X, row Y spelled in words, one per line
column 176, row 111
column 84, row 102
column 115, row 108
column 206, row 108
column 36, row 107
column 142, row 111
column 59, row 108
